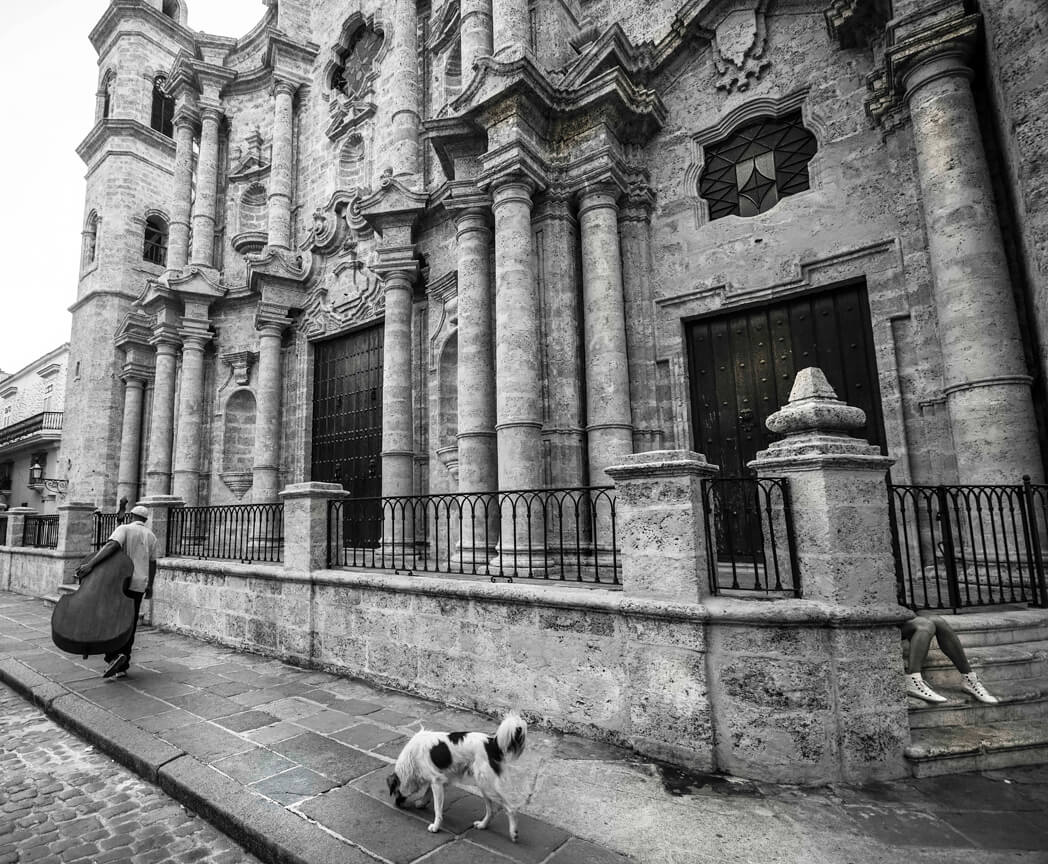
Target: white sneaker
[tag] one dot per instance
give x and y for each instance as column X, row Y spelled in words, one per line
column 917, row 686
column 974, row 686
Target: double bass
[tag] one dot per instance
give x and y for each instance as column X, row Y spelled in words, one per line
column 99, row 616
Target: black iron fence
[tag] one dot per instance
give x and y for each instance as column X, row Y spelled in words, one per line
column 3, row 530
column 965, row 546
column 247, row 533
column 564, row 535
column 105, row 525
column 749, row 535
column 40, row 531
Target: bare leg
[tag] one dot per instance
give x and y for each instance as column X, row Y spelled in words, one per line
column 438, row 807
column 951, row 646
column 481, row 824
column 919, row 631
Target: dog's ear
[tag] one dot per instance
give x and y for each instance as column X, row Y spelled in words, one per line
column 393, row 782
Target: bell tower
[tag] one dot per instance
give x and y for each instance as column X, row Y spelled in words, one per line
column 130, row 159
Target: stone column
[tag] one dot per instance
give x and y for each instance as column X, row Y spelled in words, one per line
column 130, row 438
column 511, row 27
column 843, row 548
column 190, row 414
column 160, row 507
column 474, row 33
column 661, row 524
column 280, row 172
column 161, row 427
column 477, row 454
column 634, row 225
column 266, row 470
column 609, row 427
column 203, row 253
column 181, row 201
column 306, row 523
column 76, row 529
column 403, row 94
column 518, row 364
column 987, row 384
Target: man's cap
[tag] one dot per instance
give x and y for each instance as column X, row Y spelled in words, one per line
column 140, row 511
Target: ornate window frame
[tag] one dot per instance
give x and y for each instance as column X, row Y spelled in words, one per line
column 347, row 111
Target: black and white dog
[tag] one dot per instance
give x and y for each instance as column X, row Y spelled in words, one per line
column 431, row 760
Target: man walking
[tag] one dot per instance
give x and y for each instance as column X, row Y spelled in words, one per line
column 139, row 543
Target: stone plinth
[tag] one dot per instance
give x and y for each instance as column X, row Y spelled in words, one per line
column 159, row 507
column 660, row 524
column 16, row 524
column 306, row 523
column 76, row 528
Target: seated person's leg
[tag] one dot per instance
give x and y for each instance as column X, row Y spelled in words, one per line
column 951, row 646
column 919, row 631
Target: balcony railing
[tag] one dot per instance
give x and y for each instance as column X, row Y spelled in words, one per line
column 48, row 421
column 562, row 535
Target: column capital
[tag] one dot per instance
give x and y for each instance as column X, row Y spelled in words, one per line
column 947, row 61
column 165, row 339
column 211, row 110
column 512, row 187
column 467, row 202
column 285, row 83
column 186, row 115
column 136, row 374
column 639, row 203
column 599, row 196
column 396, row 264
column 271, row 319
column 195, row 334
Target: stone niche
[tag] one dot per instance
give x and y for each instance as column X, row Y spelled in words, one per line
column 238, row 442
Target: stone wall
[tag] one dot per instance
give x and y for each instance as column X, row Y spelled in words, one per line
column 730, row 685
column 36, row 572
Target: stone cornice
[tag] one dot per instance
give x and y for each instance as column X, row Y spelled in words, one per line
column 392, row 205
column 196, row 282
column 114, row 129
column 279, row 277
column 942, row 26
column 853, row 23
column 452, row 137
column 287, row 57
column 516, row 159
column 208, row 79
column 120, row 11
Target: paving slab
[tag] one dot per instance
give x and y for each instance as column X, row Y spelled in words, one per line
column 327, row 756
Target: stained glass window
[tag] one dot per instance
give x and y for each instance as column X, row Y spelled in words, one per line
column 757, row 166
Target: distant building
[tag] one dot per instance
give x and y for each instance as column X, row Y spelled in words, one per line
column 31, row 415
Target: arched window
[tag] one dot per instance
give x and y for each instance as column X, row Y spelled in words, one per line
column 154, row 249
column 163, row 108
column 351, row 162
column 107, row 94
column 757, row 166
column 170, row 9
column 87, row 257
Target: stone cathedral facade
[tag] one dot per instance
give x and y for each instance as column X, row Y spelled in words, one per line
column 421, row 247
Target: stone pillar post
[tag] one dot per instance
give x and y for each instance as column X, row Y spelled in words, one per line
column 160, row 507
column 518, row 365
column 609, row 427
column 403, row 94
column 203, row 253
column 280, row 172
column 181, row 201
column 843, row 540
column 190, row 414
column 130, row 437
column 987, row 384
column 661, row 524
column 477, row 455
column 306, row 523
column 511, row 27
column 76, row 529
column 634, row 227
column 474, row 33
column 265, row 472
column 161, row 427
column 16, row 524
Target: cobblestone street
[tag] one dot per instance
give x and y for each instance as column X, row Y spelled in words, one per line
column 62, row 801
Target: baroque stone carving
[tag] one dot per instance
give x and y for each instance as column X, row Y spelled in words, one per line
column 352, row 72
column 739, row 40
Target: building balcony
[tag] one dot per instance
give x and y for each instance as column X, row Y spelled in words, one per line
column 38, row 429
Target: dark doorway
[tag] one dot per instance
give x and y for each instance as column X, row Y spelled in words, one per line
column 347, row 422
column 742, row 365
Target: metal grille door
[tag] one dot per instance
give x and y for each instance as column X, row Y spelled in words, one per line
column 347, row 417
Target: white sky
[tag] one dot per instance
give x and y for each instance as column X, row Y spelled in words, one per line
column 50, row 74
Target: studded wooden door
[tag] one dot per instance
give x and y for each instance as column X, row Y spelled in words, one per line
column 347, row 422
column 742, row 365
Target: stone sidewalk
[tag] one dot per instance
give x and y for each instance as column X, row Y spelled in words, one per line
column 292, row 764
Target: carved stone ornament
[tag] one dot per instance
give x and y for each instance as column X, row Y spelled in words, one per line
column 739, row 42
column 351, row 294
column 237, row 482
column 352, row 72
column 240, row 363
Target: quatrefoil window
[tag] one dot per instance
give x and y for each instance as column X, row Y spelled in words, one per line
column 352, row 76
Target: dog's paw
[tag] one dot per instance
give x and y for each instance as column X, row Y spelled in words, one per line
column 480, row 824
column 513, row 836
column 434, row 828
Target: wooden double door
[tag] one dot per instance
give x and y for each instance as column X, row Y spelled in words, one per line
column 347, row 422
column 742, row 365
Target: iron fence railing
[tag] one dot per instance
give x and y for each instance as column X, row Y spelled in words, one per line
column 965, row 546
column 564, row 535
column 47, row 421
column 3, row 530
column 40, row 531
column 248, row 533
column 750, row 544
column 105, row 525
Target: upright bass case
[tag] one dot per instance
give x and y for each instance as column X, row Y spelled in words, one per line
column 97, row 618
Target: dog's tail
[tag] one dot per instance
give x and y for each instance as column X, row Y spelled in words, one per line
column 512, row 735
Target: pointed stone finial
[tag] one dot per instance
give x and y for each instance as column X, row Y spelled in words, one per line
column 814, row 407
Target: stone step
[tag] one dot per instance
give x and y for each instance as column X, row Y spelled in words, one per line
column 1019, row 699
column 1000, row 626
column 953, row 749
column 993, row 663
